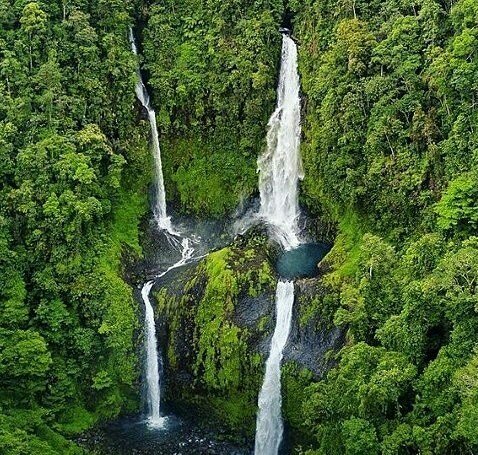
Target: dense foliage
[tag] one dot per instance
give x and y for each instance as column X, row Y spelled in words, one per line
column 390, row 148
column 212, row 66
column 391, row 151
column 70, row 197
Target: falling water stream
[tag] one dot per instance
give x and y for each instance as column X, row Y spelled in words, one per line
column 280, row 166
column 159, row 210
column 152, row 360
column 280, row 169
column 152, row 357
column 269, row 427
column 181, row 243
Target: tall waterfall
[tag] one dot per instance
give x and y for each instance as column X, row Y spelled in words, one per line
column 153, row 384
column 159, row 210
column 183, row 244
column 269, row 427
column 280, row 166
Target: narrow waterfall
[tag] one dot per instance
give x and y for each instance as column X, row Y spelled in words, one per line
column 280, row 168
column 269, row 426
column 159, row 210
column 183, row 244
column 153, row 384
column 152, row 362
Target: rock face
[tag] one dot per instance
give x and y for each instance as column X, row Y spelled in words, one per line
column 311, row 338
column 215, row 320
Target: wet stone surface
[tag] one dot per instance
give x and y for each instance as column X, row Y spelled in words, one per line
column 178, row 436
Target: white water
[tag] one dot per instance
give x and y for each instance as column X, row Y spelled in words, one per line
column 280, row 166
column 159, row 210
column 153, row 385
column 152, row 364
column 183, row 244
column 269, row 426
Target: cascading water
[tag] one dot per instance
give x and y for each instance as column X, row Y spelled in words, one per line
column 183, row 244
column 152, row 363
column 153, row 386
column 164, row 222
column 280, row 169
column 269, row 427
column 280, row 166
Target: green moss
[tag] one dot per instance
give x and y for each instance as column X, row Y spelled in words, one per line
column 309, row 308
column 233, row 410
column 220, row 343
column 254, row 271
column 263, row 322
column 321, row 304
column 258, row 279
column 343, row 260
column 226, row 373
column 236, row 411
column 345, row 253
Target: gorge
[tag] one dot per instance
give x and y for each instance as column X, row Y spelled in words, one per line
column 280, row 169
column 253, row 229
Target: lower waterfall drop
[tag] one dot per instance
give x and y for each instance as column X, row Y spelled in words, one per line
column 152, row 361
column 269, row 426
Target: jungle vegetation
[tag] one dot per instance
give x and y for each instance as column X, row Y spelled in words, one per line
column 390, row 147
column 391, row 154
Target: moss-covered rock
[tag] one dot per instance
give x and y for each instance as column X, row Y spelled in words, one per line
column 211, row 316
column 313, row 338
column 215, row 323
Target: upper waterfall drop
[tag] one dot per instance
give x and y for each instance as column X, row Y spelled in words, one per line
column 159, row 209
column 280, row 166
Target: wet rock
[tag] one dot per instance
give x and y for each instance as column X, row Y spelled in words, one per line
column 181, row 436
column 309, row 342
column 252, row 310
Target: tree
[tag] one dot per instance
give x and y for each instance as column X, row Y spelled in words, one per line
column 457, row 208
column 24, row 363
column 34, row 27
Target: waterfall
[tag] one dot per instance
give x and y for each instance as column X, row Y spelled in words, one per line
column 280, row 166
column 152, row 363
column 159, row 210
column 153, row 384
column 183, row 244
column 269, row 427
